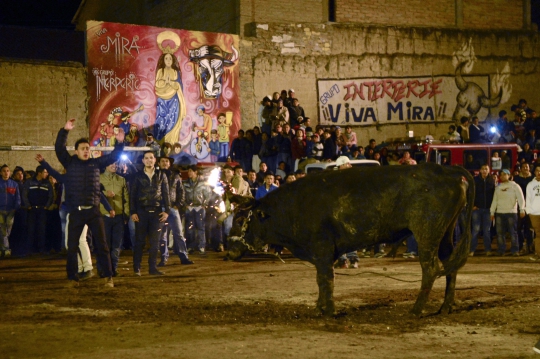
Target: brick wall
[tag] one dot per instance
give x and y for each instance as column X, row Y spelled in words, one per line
column 492, row 14
column 440, row 13
column 477, row 14
column 36, row 100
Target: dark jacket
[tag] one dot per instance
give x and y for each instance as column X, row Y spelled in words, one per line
column 61, row 179
column 37, row 193
column 82, row 177
column 197, row 192
column 523, row 182
column 329, row 150
column 177, row 193
column 145, row 193
column 475, row 133
column 241, row 149
column 485, row 188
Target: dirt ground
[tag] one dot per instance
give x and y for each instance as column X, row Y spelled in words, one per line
column 263, row 308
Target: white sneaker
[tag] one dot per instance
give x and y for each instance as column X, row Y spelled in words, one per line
column 109, row 282
column 471, row 254
column 7, row 253
column 536, row 348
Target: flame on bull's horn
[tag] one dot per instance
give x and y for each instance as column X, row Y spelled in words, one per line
column 213, row 181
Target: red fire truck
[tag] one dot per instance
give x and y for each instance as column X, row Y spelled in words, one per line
column 471, row 156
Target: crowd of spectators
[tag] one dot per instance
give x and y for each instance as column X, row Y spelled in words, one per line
column 262, row 159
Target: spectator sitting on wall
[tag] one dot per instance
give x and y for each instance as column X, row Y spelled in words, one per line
column 295, row 113
column 463, row 130
column 453, row 135
column 476, row 131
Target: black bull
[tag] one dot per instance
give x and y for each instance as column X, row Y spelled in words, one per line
column 322, row 216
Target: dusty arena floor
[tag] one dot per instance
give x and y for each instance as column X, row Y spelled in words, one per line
column 262, row 308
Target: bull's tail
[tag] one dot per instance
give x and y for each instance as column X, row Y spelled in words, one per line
column 460, row 253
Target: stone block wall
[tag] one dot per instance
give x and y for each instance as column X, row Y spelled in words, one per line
column 261, row 11
column 283, row 56
column 36, row 100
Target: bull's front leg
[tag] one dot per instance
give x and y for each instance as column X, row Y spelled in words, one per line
column 325, row 280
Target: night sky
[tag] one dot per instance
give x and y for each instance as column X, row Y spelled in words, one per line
column 50, row 14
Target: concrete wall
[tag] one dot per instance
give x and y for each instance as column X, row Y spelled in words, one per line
column 260, row 11
column 36, row 100
column 281, row 56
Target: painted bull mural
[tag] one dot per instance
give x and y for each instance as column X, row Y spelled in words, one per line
column 323, row 216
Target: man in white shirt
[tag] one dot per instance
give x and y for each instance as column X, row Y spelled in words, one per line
column 508, row 196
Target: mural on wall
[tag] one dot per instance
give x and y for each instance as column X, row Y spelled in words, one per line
column 394, row 100
column 180, row 86
column 471, row 97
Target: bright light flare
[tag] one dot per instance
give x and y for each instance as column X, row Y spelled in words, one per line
column 214, row 181
column 221, row 208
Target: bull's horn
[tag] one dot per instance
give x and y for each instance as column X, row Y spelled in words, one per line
column 235, row 54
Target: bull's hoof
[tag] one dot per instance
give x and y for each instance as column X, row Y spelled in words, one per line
column 324, row 312
column 417, row 312
column 340, row 314
column 445, row 309
column 225, row 258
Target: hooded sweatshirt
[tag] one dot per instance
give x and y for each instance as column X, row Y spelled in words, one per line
column 507, row 196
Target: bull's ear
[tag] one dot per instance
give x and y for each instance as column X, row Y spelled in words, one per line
column 262, row 215
column 241, row 201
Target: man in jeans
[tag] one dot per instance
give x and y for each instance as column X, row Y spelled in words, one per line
column 508, row 196
column 197, row 196
column 37, row 197
column 481, row 219
column 149, row 203
column 177, row 195
column 115, row 189
column 10, row 201
column 82, row 199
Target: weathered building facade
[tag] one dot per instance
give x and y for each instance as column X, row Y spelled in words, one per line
column 296, row 44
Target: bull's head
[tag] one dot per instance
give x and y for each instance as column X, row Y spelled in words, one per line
column 245, row 233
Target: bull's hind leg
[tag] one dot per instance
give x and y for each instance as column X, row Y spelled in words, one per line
column 430, row 268
column 445, row 251
column 449, row 293
column 325, row 280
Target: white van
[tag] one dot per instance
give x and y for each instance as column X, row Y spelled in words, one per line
column 321, row 166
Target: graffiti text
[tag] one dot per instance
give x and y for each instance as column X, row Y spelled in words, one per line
column 107, row 80
column 395, row 89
